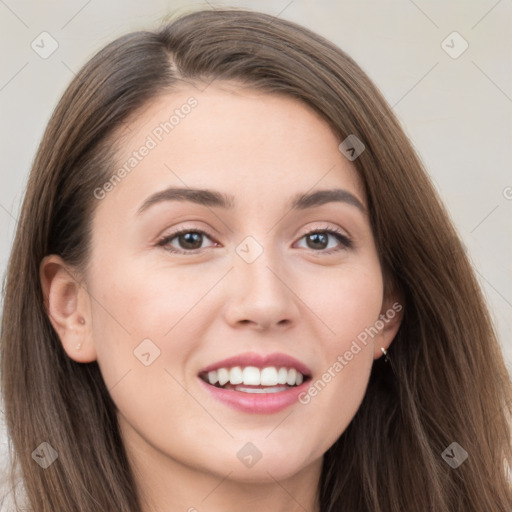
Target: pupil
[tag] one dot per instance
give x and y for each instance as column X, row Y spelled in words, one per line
column 190, row 239
column 316, row 236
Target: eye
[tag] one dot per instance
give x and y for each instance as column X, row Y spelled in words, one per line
column 191, row 240
column 188, row 240
column 318, row 240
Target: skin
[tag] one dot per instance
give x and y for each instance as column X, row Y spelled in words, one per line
column 210, row 304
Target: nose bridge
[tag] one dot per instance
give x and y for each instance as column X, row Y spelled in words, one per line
column 260, row 294
column 260, row 276
column 256, row 266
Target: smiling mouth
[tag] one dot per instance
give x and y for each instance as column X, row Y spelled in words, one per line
column 250, row 379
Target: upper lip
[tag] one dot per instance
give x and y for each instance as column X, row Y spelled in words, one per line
column 259, row 361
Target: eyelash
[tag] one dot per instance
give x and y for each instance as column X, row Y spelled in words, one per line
column 341, row 237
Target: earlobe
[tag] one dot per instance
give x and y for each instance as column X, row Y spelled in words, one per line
column 390, row 319
column 68, row 307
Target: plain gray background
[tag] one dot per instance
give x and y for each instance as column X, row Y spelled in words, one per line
column 454, row 105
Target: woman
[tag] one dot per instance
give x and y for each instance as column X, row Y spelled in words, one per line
column 232, row 282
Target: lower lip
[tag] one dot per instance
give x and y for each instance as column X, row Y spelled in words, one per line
column 259, row 403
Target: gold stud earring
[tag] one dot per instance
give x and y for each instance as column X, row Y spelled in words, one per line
column 77, row 347
column 385, row 352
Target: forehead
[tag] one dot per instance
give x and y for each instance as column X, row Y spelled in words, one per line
column 254, row 144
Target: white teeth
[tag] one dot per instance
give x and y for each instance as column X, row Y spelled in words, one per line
column 252, row 376
column 235, row 375
column 223, row 376
column 292, row 375
column 282, row 376
column 276, row 389
column 269, row 376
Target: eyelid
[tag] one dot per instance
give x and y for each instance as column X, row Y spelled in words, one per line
column 173, row 234
column 341, row 235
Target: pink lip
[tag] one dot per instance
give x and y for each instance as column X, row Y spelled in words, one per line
column 259, row 403
column 259, row 361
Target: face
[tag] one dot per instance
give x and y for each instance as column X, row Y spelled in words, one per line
column 267, row 290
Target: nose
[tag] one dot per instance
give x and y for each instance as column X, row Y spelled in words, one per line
column 261, row 295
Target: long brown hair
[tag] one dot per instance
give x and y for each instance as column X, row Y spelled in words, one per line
column 445, row 381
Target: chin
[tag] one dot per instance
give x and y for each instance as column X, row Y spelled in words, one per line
column 271, row 465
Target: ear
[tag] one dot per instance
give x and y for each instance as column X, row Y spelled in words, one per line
column 68, row 304
column 390, row 319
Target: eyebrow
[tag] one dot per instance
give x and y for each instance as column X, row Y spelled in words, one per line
column 214, row 198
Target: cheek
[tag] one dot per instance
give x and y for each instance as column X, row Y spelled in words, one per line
column 351, row 306
column 144, row 338
column 146, row 300
column 137, row 311
column 346, row 301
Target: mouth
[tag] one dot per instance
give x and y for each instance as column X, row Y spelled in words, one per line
column 256, row 383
